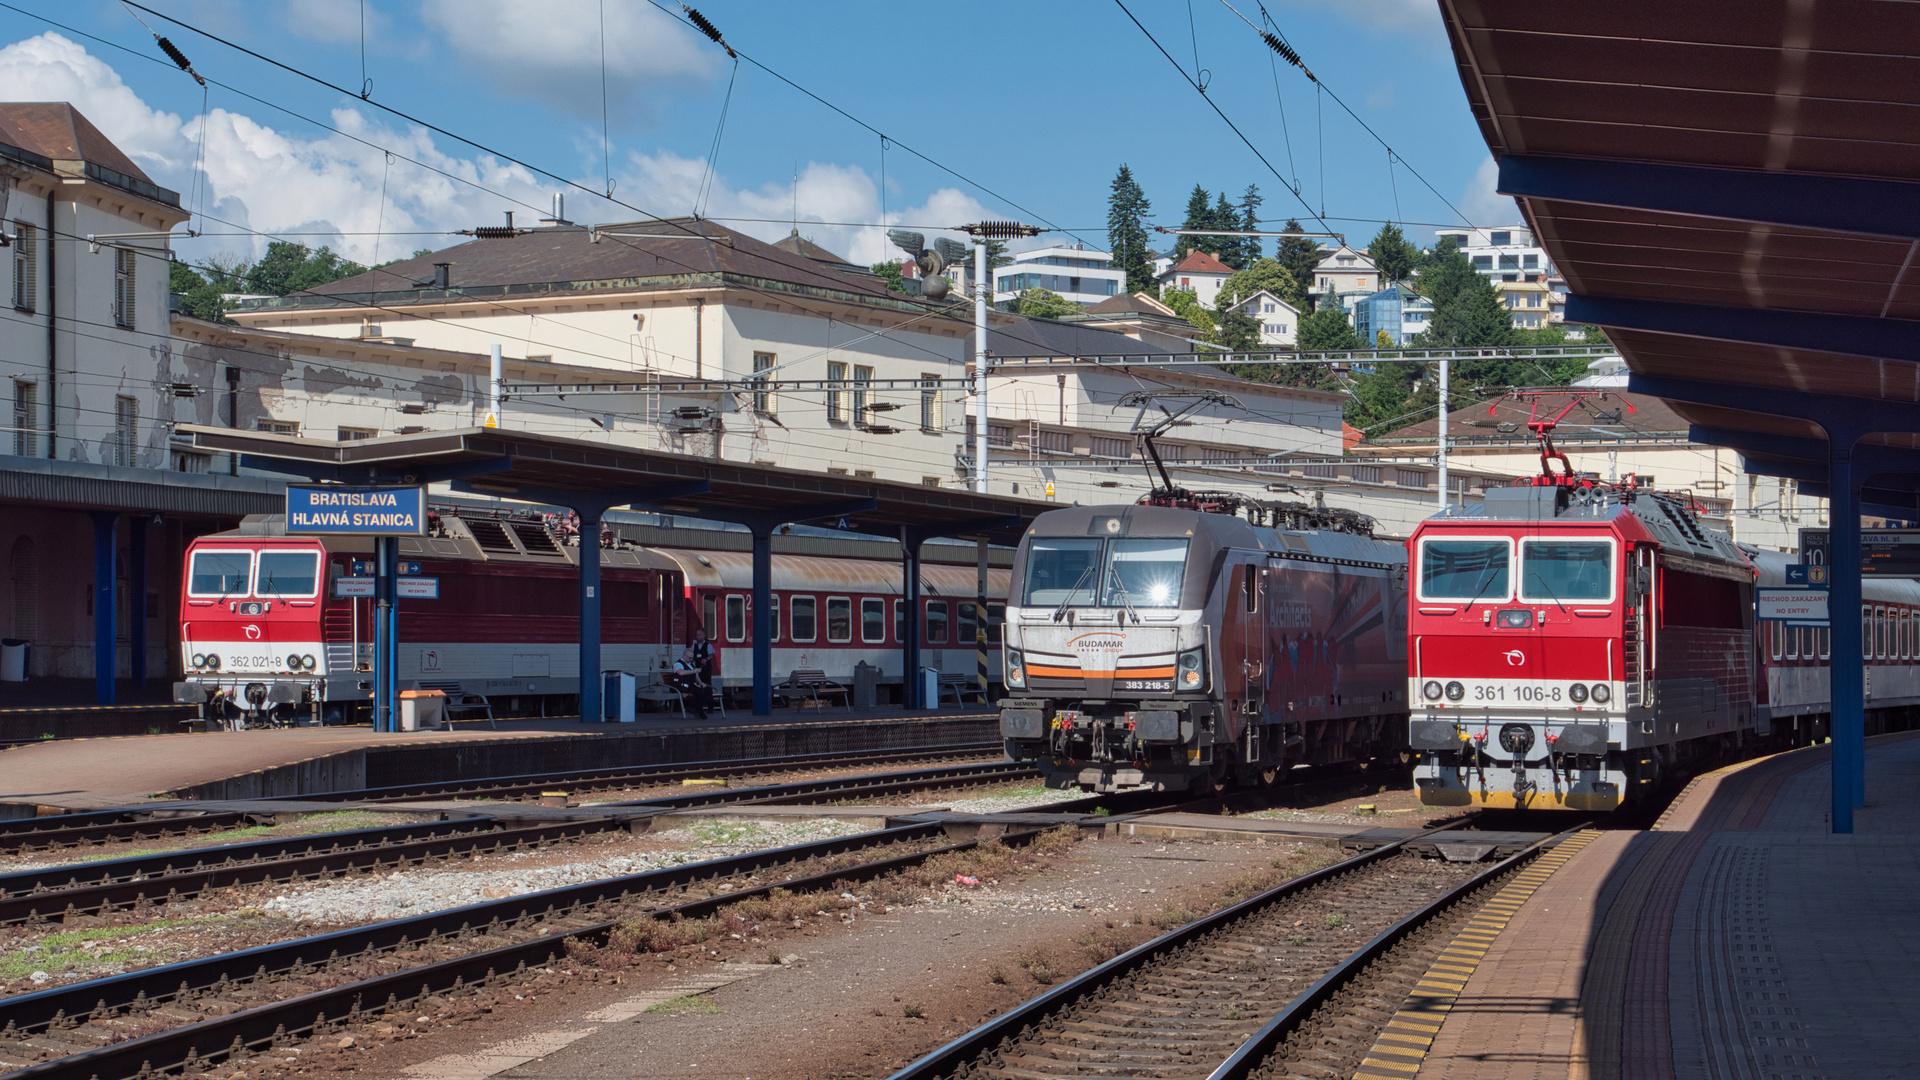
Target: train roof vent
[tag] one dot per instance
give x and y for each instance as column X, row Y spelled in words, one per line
column 491, row 536
column 533, row 536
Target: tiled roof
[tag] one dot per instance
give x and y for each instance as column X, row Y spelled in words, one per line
column 1199, row 262
column 57, row 130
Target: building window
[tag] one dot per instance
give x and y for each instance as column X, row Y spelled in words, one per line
column 1530, row 262
column 1412, row 478
column 873, row 621
column 930, row 418
column 26, row 417
column 839, row 619
column 999, row 434
column 805, row 625
column 276, row 427
column 1483, row 262
column 1509, row 262
column 1053, row 442
column 862, row 375
column 836, row 397
column 936, row 622
column 26, row 262
column 186, row 461
column 1500, row 239
column 125, row 292
column 1366, row 474
column 764, row 402
column 354, row 434
column 126, row 429
column 736, row 618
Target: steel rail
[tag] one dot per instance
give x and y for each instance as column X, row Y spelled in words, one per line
column 107, row 826
column 845, row 787
column 972, row 1045
column 1251, row 1053
column 661, row 773
column 170, row 885
column 209, row 1040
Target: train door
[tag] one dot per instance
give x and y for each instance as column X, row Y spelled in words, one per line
column 1247, row 668
column 1641, row 628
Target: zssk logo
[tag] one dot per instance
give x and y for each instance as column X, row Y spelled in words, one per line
column 253, row 633
column 1515, row 657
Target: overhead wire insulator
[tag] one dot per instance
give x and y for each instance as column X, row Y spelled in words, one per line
column 1001, row 230
column 495, row 232
column 708, row 29
column 1286, row 52
column 174, row 54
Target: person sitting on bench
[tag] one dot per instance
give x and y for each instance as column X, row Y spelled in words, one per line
column 688, row 679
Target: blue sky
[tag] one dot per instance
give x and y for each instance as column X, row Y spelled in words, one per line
column 1038, row 102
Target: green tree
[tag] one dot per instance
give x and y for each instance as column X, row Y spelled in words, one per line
column 201, row 290
column 1391, row 252
column 1251, row 249
column 1236, row 331
column 889, row 272
column 1043, row 304
column 1199, row 216
column 1188, row 306
column 1228, row 249
column 1327, row 329
column 1127, row 208
column 289, row 268
column 1265, row 274
column 1382, row 340
column 1301, row 256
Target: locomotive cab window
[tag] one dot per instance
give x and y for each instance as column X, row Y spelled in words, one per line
column 839, row 619
column 736, row 618
column 1059, row 571
column 289, row 573
column 805, row 627
column 873, row 621
column 1146, row 573
column 1467, row 570
column 220, row 573
column 1556, row 571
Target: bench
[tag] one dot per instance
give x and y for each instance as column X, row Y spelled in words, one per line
column 812, row 683
column 662, row 693
column 960, row 684
column 461, row 705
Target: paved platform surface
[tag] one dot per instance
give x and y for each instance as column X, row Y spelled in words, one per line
column 1737, row 939
column 91, row 773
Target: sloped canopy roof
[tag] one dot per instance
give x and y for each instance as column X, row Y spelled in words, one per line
column 1736, row 199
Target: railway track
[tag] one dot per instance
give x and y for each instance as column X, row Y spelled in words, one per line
column 222, row 1005
column 102, row 887
column 107, row 826
column 1292, row 983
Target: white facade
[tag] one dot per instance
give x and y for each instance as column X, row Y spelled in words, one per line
column 1509, row 255
column 1198, row 273
column 1075, row 272
column 1344, row 274
column 1279, row 320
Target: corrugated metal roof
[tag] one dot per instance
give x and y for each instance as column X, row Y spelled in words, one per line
column 81, row 486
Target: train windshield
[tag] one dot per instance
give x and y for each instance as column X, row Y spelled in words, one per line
column 1555, row 571
column 1146, row 573
column 1465, row 570
column 1061, row 571
column 219, row 573
column 288, row 573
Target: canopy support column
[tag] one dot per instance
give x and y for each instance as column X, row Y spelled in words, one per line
column 1847, row 669
column 762, row 618
column 106, row 601
column 590, row 707
column 137, row 602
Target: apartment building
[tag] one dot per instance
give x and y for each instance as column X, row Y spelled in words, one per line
column 1344, row 276
column 1279, row 321
column 1074, row 271
column 1509, row 256
column 1397, row 310
column 1198, row 273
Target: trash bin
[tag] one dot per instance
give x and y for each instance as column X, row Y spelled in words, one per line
column 930, row 688
column 422, row 709
column 617, row 696
column 13, row 660
column 866, row 685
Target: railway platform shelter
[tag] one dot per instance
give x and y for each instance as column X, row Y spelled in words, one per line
column 592, row 478
column 1734, row 195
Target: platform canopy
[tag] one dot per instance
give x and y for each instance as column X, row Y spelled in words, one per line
column 592, row 478
column 1733, row 192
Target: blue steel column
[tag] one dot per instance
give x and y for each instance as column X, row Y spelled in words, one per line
column 910, row 547
column 392, row 658
column 106, row 551
column 1846, row 672
column 384, row 695
column 137, row 603
column 762, row 618
column 590, row 710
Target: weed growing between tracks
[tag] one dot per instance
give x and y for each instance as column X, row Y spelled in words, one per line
column 756, row 918
column 94, row 947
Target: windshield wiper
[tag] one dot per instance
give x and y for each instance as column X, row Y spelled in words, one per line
column 1491, row 574
column 1556, row 596
column 1114, row 571
column 1061, row 611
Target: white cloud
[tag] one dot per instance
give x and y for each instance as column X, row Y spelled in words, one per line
column 552, row 50
column 1482, row 204
column 331, row 20
column 1421, row 16
column 263, row 178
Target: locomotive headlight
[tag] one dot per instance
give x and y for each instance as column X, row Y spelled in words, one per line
column 309, row 662
column 1455, row 691
column 293, row 661
column 213, row 661
column 1514, row 618
column 1578, row 693
column 1191, row 670
column 1431, row 690
column 199, row 660
column 1601, row 693
column 1016, row 673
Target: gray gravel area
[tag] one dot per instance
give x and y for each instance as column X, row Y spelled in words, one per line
column 449, row 885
